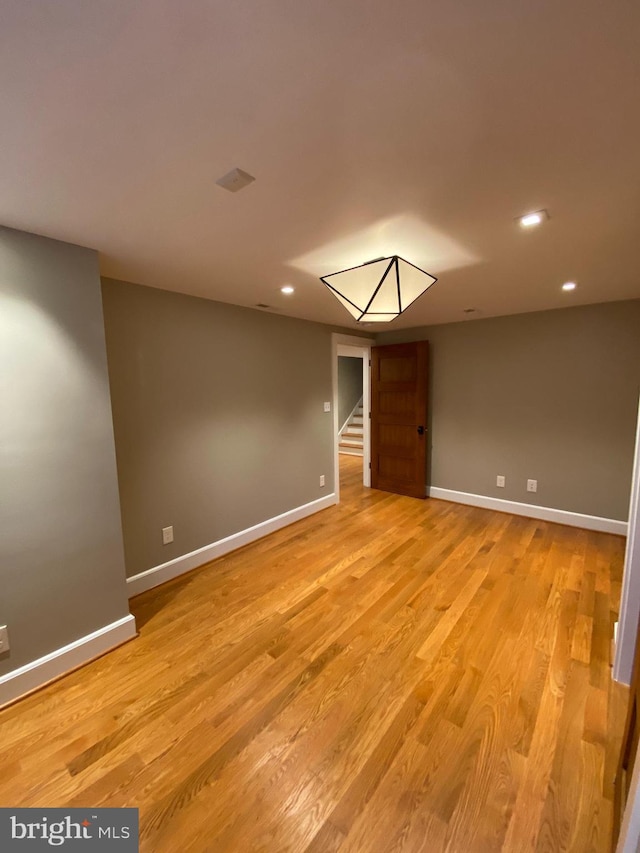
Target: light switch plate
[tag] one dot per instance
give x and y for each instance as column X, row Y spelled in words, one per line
column 327, row 407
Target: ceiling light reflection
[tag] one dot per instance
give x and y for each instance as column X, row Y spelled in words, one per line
column 405, row 235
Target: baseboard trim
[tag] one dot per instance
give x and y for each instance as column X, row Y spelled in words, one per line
column 173, row 568
column 544, row 513
column 32, row 676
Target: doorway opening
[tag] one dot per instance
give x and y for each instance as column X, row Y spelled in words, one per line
column 355, row 354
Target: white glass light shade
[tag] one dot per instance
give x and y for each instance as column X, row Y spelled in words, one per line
column 380, row 290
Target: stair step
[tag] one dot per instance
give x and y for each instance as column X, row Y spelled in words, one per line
column 351, row 441
column 350, row 451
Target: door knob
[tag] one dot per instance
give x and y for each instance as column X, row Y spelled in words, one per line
column 420, row 430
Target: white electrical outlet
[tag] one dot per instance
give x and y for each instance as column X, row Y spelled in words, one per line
column 4, row 639
column 327, row 407
column 322, row 479
column 532, row 485
column 500, row 480
column 167, row 535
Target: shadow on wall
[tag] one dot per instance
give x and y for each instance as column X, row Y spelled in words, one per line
column 349, row 386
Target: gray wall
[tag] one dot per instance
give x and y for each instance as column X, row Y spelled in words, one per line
column 61, row 553
column 551, row 396
column 218, row 415
column 349, row 386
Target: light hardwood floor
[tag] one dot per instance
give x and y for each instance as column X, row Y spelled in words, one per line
column 388, row 675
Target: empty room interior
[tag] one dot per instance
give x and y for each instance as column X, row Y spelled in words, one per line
column 319, row 466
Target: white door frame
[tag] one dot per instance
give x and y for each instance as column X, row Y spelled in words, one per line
column 360, row 348
column 629, row 839
column 630, row 600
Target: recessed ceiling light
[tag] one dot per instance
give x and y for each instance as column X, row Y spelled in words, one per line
column 287, row 289
column 530, row 220
column 569, row 285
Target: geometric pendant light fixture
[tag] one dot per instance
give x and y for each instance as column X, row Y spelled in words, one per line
column 380, row 290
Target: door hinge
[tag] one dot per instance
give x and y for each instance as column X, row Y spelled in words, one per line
column 369, row 362
column 369, row 464
column 369, row 415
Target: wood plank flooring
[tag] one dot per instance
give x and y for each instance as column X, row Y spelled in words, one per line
column 388, row 675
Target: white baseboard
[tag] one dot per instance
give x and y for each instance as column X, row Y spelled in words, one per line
column 39, row 672
column 166, row 571
column 544, row 513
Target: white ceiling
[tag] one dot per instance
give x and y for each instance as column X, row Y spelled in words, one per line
column 419, row 127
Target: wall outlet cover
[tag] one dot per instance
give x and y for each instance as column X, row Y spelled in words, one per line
column 167, row 535
column 500, row 481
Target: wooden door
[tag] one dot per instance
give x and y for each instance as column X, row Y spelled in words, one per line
column 399, row 418
column 629, row 746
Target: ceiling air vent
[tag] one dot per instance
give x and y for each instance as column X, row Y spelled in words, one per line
column 235, row 180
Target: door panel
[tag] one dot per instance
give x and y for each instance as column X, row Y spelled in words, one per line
column 399, row 417
column 399, row 404
column 397, row 370
column 398, row 437
column 396, row 468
